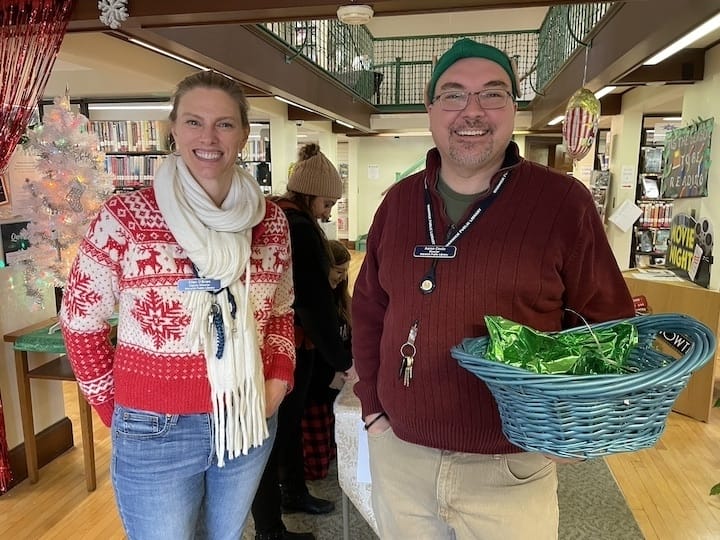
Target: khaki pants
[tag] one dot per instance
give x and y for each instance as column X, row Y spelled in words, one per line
column 421, row 493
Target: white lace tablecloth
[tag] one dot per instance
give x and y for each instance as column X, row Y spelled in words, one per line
column 347, row 419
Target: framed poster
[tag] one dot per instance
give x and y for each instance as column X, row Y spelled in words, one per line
column 4, row 194
column 686, row 161
column 14, row 239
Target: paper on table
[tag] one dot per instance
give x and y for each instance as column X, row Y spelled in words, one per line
column 625, row 215
column 656, row 274
column 363, row 456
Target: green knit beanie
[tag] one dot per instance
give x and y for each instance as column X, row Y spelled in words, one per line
column 467, row 48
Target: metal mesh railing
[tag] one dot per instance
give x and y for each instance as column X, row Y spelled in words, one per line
column 561, row 34
column 406, row 63
column 394, row 71
column 344, row 52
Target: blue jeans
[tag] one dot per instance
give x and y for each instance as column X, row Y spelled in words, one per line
column 166, row 479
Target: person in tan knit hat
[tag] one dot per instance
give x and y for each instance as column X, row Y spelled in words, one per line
column 314, row 187
column 315, row 176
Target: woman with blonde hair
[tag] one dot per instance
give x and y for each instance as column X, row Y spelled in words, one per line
column 199, row 267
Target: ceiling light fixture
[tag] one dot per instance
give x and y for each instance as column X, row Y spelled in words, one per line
column 397, row 134
column 303, row 107
column 604, row 91
column 350, row 126
column 133, row 107
column 169, row 54
column 672, row 118
column 556, row 120
column 688, row 39
column 355, row 14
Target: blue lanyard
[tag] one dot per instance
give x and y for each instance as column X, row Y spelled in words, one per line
column 482, row 206
column 216, row 318
column 428, row 281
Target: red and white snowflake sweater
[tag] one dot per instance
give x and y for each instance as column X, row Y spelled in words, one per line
column 129, row 259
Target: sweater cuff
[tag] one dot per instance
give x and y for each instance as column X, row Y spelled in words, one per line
column 283, row 368
column 366, row 391
column 105, row 411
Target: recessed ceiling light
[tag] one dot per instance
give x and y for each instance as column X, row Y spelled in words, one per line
column 168, row 54
column 350, row 126
column 604, row 91
column 685, row 41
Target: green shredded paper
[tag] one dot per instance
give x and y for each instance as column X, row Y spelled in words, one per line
column 582, row 351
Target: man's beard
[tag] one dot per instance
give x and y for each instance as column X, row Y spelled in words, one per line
column 472, row 154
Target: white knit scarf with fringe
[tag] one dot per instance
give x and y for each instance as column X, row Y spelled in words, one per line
column 218, row 242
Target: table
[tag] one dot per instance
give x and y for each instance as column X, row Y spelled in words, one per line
column 36, row 338
column 347, row 418
column 696, row 400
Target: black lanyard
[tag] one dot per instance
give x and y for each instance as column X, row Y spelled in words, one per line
column 427, row 283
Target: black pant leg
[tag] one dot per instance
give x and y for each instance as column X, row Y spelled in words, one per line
column 287, row 450
column 266, row 510
column 291, row 461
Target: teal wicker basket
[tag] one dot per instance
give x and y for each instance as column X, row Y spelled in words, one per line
column 587, row 416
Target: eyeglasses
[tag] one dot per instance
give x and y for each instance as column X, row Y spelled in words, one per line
column 455, row 100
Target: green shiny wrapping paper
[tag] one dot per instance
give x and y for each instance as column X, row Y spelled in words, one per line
column 580, row 352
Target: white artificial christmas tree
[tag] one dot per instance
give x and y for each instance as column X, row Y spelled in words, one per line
column 72, row 188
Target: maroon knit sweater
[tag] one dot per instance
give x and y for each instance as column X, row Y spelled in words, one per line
column 540, row 247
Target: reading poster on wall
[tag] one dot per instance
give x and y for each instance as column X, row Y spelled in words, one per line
column 689, row 254
column 686, row 161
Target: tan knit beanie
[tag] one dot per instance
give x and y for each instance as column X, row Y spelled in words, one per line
column 314, row 174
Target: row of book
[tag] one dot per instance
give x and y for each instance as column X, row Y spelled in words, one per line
column 652, row 240
column 131, row 135
column 132, row 171
column 655, row 214
column 256, row 149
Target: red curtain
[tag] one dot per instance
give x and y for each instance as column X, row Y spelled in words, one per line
column 31, row 32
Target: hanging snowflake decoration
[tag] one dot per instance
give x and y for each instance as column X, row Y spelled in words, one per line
column 113, row 12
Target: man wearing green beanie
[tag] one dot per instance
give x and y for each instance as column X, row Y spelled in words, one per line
column 480, row 231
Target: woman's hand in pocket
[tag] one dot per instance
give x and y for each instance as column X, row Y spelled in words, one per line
column 275, row 390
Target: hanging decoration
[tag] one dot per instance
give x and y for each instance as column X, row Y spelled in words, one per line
column 30, row 34
column 113, row 12
column 581, row 123
column 74, row 185
column 582, row 113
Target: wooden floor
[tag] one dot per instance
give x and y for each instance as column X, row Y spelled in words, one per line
column 666, row 487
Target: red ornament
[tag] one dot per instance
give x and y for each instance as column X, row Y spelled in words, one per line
column 31, row 32
column 581, row 123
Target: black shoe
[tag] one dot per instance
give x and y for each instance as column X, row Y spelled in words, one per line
column 284, row 535
column 306, row 503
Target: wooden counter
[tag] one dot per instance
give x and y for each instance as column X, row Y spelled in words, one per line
column 702, row 304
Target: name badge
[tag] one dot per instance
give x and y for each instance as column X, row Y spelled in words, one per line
column 435, row 252
column 199, row 284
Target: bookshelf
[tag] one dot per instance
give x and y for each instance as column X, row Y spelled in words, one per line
column 652, row 229
column 256, row 158
column 134, row 136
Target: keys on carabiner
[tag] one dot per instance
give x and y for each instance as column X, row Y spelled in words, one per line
column 407, row 370
column 407, row 351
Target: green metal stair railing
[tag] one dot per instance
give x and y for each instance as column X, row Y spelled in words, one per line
column 415, row 167
column 392, row 72
column 563, row 31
